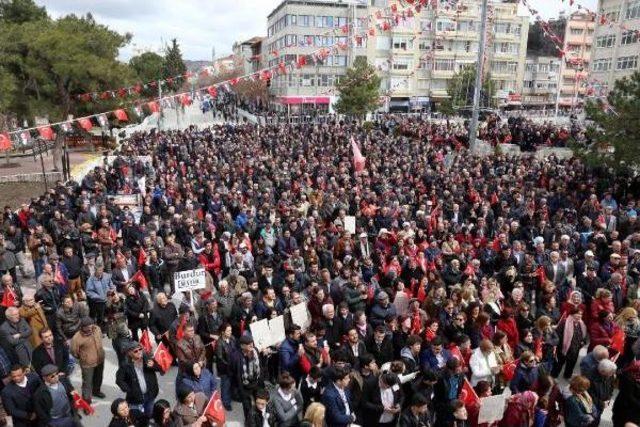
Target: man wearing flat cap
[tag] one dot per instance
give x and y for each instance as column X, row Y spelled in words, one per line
column 53, row 401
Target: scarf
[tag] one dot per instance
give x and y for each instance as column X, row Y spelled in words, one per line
column 568, row 333
column 585, row 400
column 250, row 368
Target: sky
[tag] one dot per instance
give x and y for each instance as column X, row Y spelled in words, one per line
column 202, row 25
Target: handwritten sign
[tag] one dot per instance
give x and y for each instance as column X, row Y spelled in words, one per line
column 190, row 280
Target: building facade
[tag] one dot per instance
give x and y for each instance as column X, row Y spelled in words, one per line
column 540, row 86
column 415, row 56
column 418, row 57
column 574, row 70
column 616, row 44
column 247, row 55
column 300, row 28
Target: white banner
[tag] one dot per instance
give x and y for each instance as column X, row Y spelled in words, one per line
column 267, row 333
column 190, row 280
column 300, row 316
column 492, row 408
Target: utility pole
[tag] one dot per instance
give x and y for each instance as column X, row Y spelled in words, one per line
column 473, row 127
column 160, row 104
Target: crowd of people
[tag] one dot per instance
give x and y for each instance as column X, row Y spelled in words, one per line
column 462, row 272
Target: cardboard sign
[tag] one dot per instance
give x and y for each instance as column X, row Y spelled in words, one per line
column 190, row 280
column 492, row 408
column 350, row 224
column 300, row 316
column 267, row 333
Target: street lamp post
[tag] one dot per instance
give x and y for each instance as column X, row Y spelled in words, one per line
column 473, row 128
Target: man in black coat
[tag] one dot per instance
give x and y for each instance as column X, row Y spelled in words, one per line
column 380, row 346
column 447, row 389
column 17, row 396
column 140, row 397
column 64, row 413
column 50, row 352
column 163, row 314
column 208, row 328
column 374, row 410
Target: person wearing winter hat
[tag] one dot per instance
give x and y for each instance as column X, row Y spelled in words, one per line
column 53, row 400
column 190, row 407
column 86, row 347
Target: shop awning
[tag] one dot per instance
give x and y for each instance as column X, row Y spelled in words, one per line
column 297, row 100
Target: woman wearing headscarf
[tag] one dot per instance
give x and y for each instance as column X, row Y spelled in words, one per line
column 625, row 408
column 190, row 407
column 520, row 410
column 580, row 410
column 199, row 379
column 122, row 416
column 573, row 334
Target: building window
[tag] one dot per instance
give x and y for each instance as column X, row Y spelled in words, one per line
column 528, row 84
column 629, row 37
column 612, row 16
column 291, row 19
column 543, row 68
column 425, row 25
column 603, row 64
column 444, row 65
column 576, row 31
column 445, row 25
column 606, row 41
column 530, row 68
column 466, row 26
column 306, row 20
column 291, row 40
column 340, row 21
column 324, row 21
column 306, row 80
column 402, row 64
column 402, row 43
column 633, row 10
column 627, row 62
column 504, row 67
column 336, row 61
column 554, row 68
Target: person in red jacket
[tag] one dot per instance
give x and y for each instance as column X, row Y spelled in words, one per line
column 507, row 324
column 602, row 330
column 210, row 259
column 603, row 301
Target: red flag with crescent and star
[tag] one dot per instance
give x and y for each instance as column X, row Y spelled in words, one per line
column 214, row 410
column 163, row 358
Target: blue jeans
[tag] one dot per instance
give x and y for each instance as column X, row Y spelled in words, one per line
column 38, row 267
column 145, row 408
column 225, row 390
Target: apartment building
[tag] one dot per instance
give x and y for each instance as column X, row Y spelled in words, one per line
column 247, row 54
column 574, row 70
column 417, row 57
column 540, row 86
column 301, row 27
column 616, row 44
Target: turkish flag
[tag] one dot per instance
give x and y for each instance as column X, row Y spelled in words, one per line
column 185, row 100
column 542, row 277
column 617, row 341
column 80, row 403
column 5, row 141
column 214, row 411
column 212, row 91
column 180, row 329
column 509, row 370
column 153, row 106
column 85, row 123
column 468, row 394
column 142, row 257
column 163, row 358
column 46, row 132
column 121, row 115
column 358, row 159
column 302, row 61
column 142, row 281
column 8, row 298
column 145, row 341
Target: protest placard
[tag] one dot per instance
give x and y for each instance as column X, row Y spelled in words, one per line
column 300, row 316
column 190, row 280
column 492, row 408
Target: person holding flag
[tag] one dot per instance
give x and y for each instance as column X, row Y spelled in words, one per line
column 55, row 402
column 448, row 389
column 138, row 378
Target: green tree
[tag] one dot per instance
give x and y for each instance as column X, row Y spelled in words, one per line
column 460, row 89
column 173, row 62
column 21, row 11
column 617, row 124
column 147, row 66
column 53, row 61
column 359, row 90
